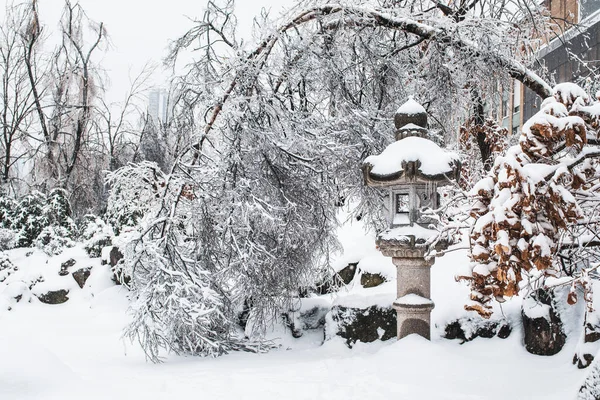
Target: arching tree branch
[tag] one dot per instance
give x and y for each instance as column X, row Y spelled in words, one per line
column 357, row 16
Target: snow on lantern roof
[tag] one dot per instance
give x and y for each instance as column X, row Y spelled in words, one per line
column 409, row 159
column 411, row 107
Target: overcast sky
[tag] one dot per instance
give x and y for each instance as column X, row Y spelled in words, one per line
column 140, row 30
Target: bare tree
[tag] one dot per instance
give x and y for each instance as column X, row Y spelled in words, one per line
column 17, row 102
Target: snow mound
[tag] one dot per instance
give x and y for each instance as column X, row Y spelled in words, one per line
column 364, row 299
column 377, row 263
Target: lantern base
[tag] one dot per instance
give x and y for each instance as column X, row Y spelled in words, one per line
column 413, row 318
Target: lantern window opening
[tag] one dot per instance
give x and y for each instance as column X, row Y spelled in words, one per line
column 402, row 203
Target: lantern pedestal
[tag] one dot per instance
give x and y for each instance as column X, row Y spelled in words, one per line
column 413, row 305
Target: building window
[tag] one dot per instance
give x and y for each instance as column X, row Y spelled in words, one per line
column 516, row 96
column 504, row 112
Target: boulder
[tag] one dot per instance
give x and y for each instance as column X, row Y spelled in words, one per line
column 347, row 273
column 54, row 296
column 65, row 266
column 364, row 325
column 586, row 351
column 542, row 327
column 115, row 256
column 368, row 280
column 81, row 276
column 467, row 329
column 332, row 283
column 116, row 261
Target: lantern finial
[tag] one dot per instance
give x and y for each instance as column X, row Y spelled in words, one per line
column 410, row 120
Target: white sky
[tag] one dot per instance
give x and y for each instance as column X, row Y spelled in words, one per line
column 140, row 30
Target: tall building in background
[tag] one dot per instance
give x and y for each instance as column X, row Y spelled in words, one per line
column 158, row 105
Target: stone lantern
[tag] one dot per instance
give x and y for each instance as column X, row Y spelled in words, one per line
column 411, row 168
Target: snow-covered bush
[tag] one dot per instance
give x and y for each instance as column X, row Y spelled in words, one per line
column 52, row 240
column 7, row 268
column 590, row 389
column 8, row 239
column 29, row 218
column 7, row 210
column 134, row 191
column 96, row 235
column 181, row 305
column 57, row 211
column 529, row 208
column 36, row 213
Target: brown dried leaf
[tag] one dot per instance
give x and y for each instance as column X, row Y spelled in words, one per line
column 572, row 298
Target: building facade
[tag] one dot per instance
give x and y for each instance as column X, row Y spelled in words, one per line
column 572, row 56
column 158, row 105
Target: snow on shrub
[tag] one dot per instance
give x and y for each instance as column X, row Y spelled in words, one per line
column 28, row 218
column 96, row 235
column 525, row 209
column 36, row 211
column 7, row 210
column 8, row 239
column 57, row 211
column 7, row 268
column 134, row 191
column 52, row 240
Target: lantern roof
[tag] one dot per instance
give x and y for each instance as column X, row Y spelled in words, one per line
column 411, row 159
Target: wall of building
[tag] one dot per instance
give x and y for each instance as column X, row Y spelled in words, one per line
column 568, row 66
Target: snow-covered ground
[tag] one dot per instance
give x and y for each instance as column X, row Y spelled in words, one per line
column 75, row 351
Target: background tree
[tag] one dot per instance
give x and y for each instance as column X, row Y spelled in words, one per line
column 16, row 104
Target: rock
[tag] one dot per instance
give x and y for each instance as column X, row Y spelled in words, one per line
column 54, row 297
column 504, row 331
column 543, row 335
column 115, row 256
column 347, row 273
column 364, row 325
column 467, row 329
column 290, row 323
column 583, row 361
column 454, row 330
column 81, row 276
column 115, row 261
column 333, row 283
column 368, row 280
column 65, row 266
column 585, row 352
